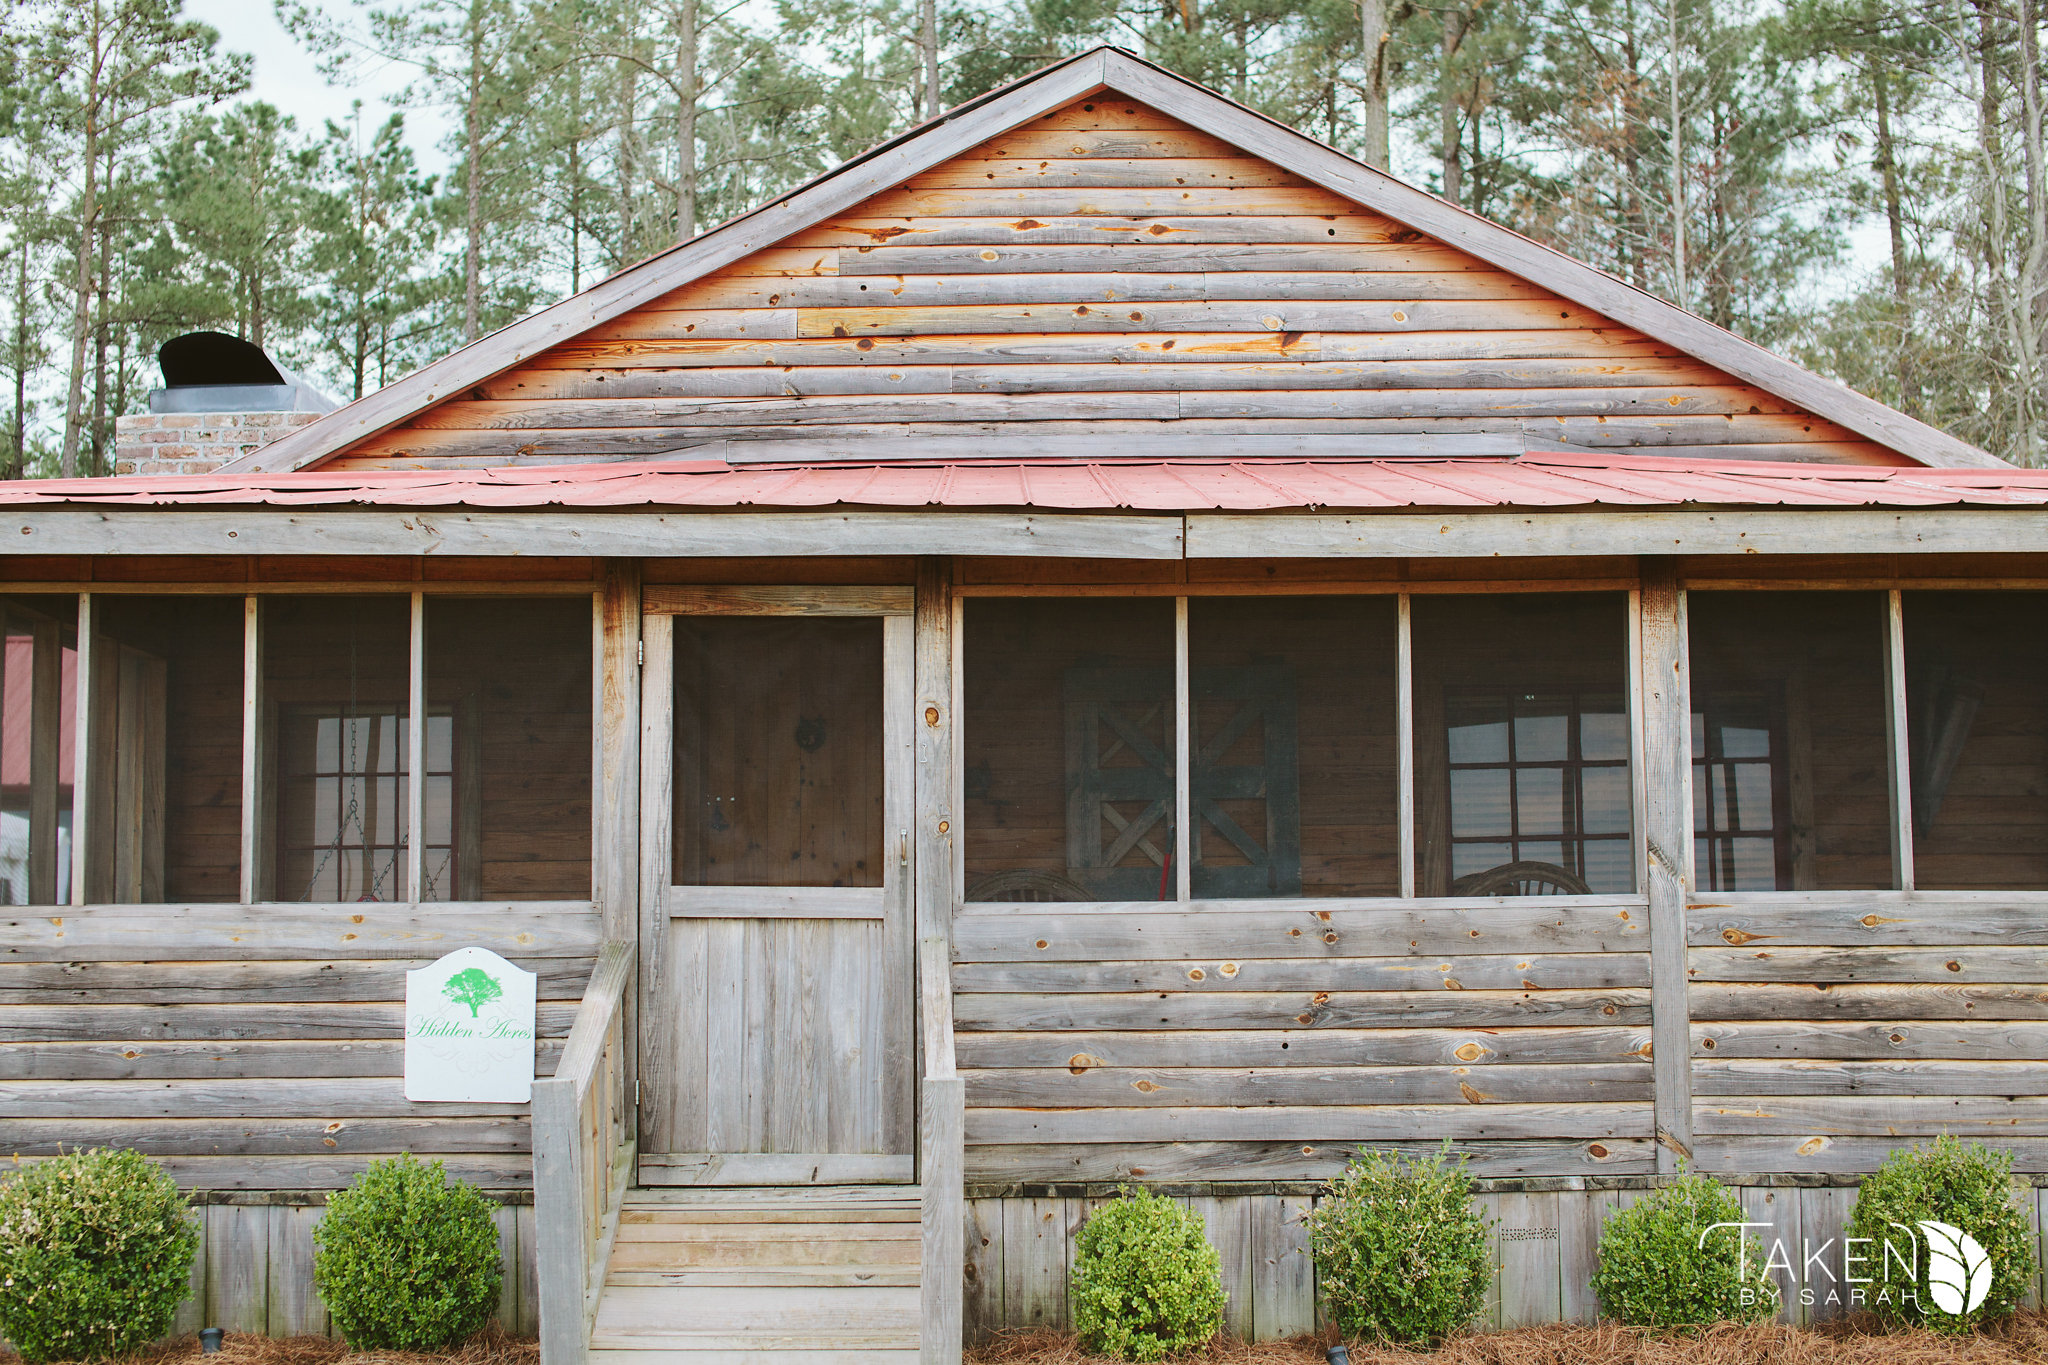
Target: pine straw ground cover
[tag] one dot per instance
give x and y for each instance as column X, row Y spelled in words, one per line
column 490, row 1347
column 1861, row 1341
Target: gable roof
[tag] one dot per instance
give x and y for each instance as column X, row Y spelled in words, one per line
column 1046, row 91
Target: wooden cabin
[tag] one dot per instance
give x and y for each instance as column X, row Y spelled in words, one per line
column 1100, row 642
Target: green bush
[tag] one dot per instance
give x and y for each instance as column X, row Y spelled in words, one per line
column 1962, row 1187
column 1146, row 1282
column 1665, row 1263
column 95, row 1255
column 1400, row 1251
column 406, row 1260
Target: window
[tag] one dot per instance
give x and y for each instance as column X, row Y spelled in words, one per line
column 778, row 757
column 1790, row 747
column 1069, row 749
column 1740, row 839
column 334, row 698
column 1523, row 781
column 165, row 820
column 1293, row 754
column 1977, row 738
column 508, row 741
column 1538, row 780
column 36, row 758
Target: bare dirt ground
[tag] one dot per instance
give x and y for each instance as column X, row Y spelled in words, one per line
column 488, row 1348
column 1857, row 1342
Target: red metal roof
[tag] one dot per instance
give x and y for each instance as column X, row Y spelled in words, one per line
column 1531, row 480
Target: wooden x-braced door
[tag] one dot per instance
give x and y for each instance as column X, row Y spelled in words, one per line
column 776, row 893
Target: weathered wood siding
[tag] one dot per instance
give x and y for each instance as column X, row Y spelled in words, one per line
column 1266, row 1041
column 269, row 1055
column 1831, row 1028
column 254, row 1271
column 1083, row 279
column 1545, row 1241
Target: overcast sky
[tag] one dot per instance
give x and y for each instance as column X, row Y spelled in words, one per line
column 288, row 76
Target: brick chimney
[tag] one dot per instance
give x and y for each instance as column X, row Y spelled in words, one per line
column 195, row 442
column 222, row 398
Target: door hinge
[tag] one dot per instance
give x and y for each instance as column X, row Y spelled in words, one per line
column 636, row 1094
column 640, row 653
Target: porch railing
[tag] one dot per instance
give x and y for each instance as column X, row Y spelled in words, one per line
column 940, row 1166
column 582, row 1159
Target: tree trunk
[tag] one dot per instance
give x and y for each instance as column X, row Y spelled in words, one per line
column 2034, row 266
column 101, row 327
column 18, row 466
column 88, row 214
column 473, row 181
column 1678, row 205
column 629, row 115
column 1373, row 37
column 1449, row 126
column 686, row 121
column 929, row 15
column 1895, row 218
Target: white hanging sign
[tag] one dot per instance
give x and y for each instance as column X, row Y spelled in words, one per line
column 469, row 1030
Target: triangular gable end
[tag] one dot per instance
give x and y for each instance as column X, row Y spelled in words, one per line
column 1104, row 259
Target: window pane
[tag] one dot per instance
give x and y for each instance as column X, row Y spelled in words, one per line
column 1789, row 707
column 166, row 818
column 335, row 693
column 1977, row 736
column 507, row 808
column 778, row 751
column 1308, row 683
column 41, row 689
column 1554, row 668
column 1069, row 749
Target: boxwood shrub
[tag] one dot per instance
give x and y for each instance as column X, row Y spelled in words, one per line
column 406, row 1259
column 1668, row 1261
column 1922, row 1274
column 95, row 1255
column 1146, row 1284
column 1401, row 1252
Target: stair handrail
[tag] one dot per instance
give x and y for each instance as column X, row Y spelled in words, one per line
column 582, row 1159
column 941, row 1163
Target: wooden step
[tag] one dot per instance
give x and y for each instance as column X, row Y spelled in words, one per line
column 772, row 1277
column 694, row 1355
column 729, row 1276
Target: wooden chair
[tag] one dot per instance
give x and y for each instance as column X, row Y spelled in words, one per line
column 1024, row 884
column 1521, row 879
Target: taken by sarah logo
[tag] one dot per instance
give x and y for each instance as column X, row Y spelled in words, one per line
column 1959, row 1270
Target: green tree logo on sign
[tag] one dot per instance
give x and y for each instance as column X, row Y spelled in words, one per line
column 473, row 987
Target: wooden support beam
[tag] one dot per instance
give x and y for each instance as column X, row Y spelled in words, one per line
column 1380, row 535
column 416, row 753
column 1404, row 740
column 46, row 747
column 615, row 781
column 82, row 750
column 252, row 731
column 1183, row 757
column 188, row 531
column 1665, row 706
column 1899, row 738
column 935, row 727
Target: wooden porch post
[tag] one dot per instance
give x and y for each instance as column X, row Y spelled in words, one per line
column 1666, row 709
column 615, row 781
column 943, row 1214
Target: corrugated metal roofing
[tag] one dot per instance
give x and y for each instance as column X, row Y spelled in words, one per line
column 1533, row 480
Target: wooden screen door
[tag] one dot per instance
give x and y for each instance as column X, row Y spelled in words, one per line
column 776, row 901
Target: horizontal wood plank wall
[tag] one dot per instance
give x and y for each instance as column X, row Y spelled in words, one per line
column 1545, row 1241
column 1084, row 278
column 270, row 1054
column 1829, row 1028
column 254, row 1271
column 1267, row 1041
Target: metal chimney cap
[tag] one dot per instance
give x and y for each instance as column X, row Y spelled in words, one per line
column 205, row 359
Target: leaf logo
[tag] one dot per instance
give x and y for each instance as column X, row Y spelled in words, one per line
column 1958, row 1269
